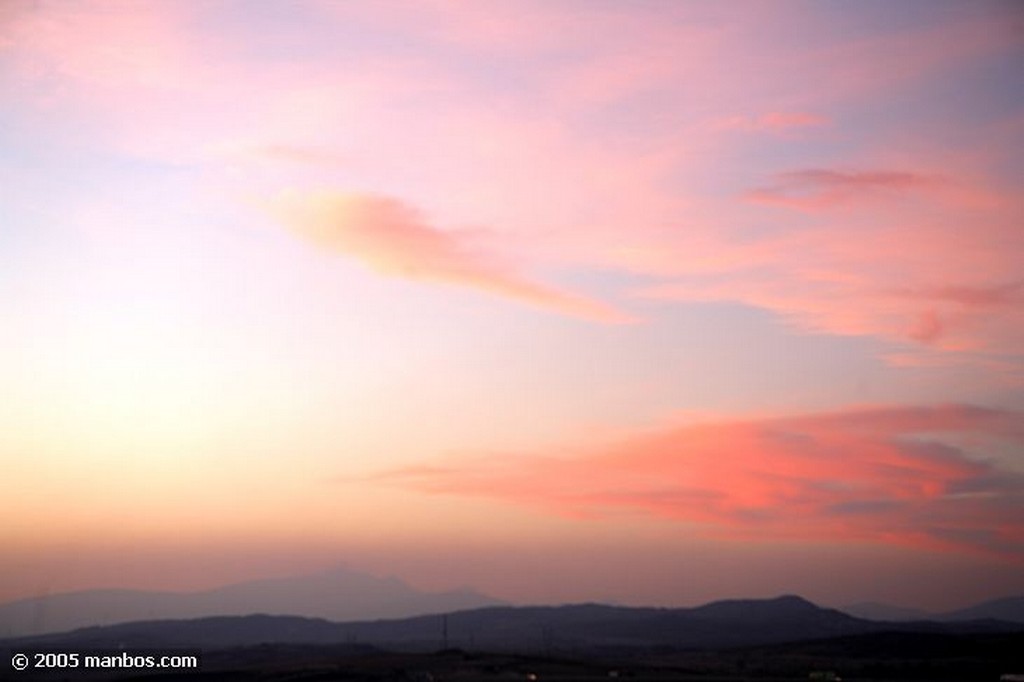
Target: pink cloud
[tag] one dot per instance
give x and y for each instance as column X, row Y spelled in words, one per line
column 850, row 303
column 876, row 252
column 101, row 46
column 994, row 296
column 774, row 122
column 820, row 188
column 648, row 193
column 393, row 239
column 892, row 475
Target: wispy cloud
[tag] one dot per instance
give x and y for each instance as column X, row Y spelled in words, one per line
column 823, row 187
column 393, row 239
column 983, row 321
column 772, row 122
column 877, row 251
column 994, row 296
column 903, row 475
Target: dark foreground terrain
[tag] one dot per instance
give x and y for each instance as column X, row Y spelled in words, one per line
column 885, row 656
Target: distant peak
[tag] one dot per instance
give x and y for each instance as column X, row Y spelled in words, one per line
column 781, row 600
column 785, row 606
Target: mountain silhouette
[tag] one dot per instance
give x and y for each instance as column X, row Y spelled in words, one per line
column 583, row 627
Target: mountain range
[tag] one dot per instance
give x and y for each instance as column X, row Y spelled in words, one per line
column 343, row 605
column 340, row 594
column 582, row 627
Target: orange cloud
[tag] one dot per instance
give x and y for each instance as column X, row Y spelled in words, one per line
column 904, row 475
column 393, row 239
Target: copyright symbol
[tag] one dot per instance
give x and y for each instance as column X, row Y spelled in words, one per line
column 19, row 661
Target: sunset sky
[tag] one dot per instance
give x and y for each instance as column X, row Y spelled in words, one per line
column 641, row 302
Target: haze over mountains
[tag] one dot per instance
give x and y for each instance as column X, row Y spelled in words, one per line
column 343, row 604
column 1009, row 609
column 340, row 594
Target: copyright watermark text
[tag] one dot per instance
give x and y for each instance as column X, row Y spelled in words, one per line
column 28, row 661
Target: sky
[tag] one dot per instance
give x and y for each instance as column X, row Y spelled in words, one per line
column 648, row 302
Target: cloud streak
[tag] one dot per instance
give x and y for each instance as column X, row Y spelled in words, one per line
column 879, row 251
column 393, row 239
column 772, row 122
column 822, row 187
column 917, row 476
